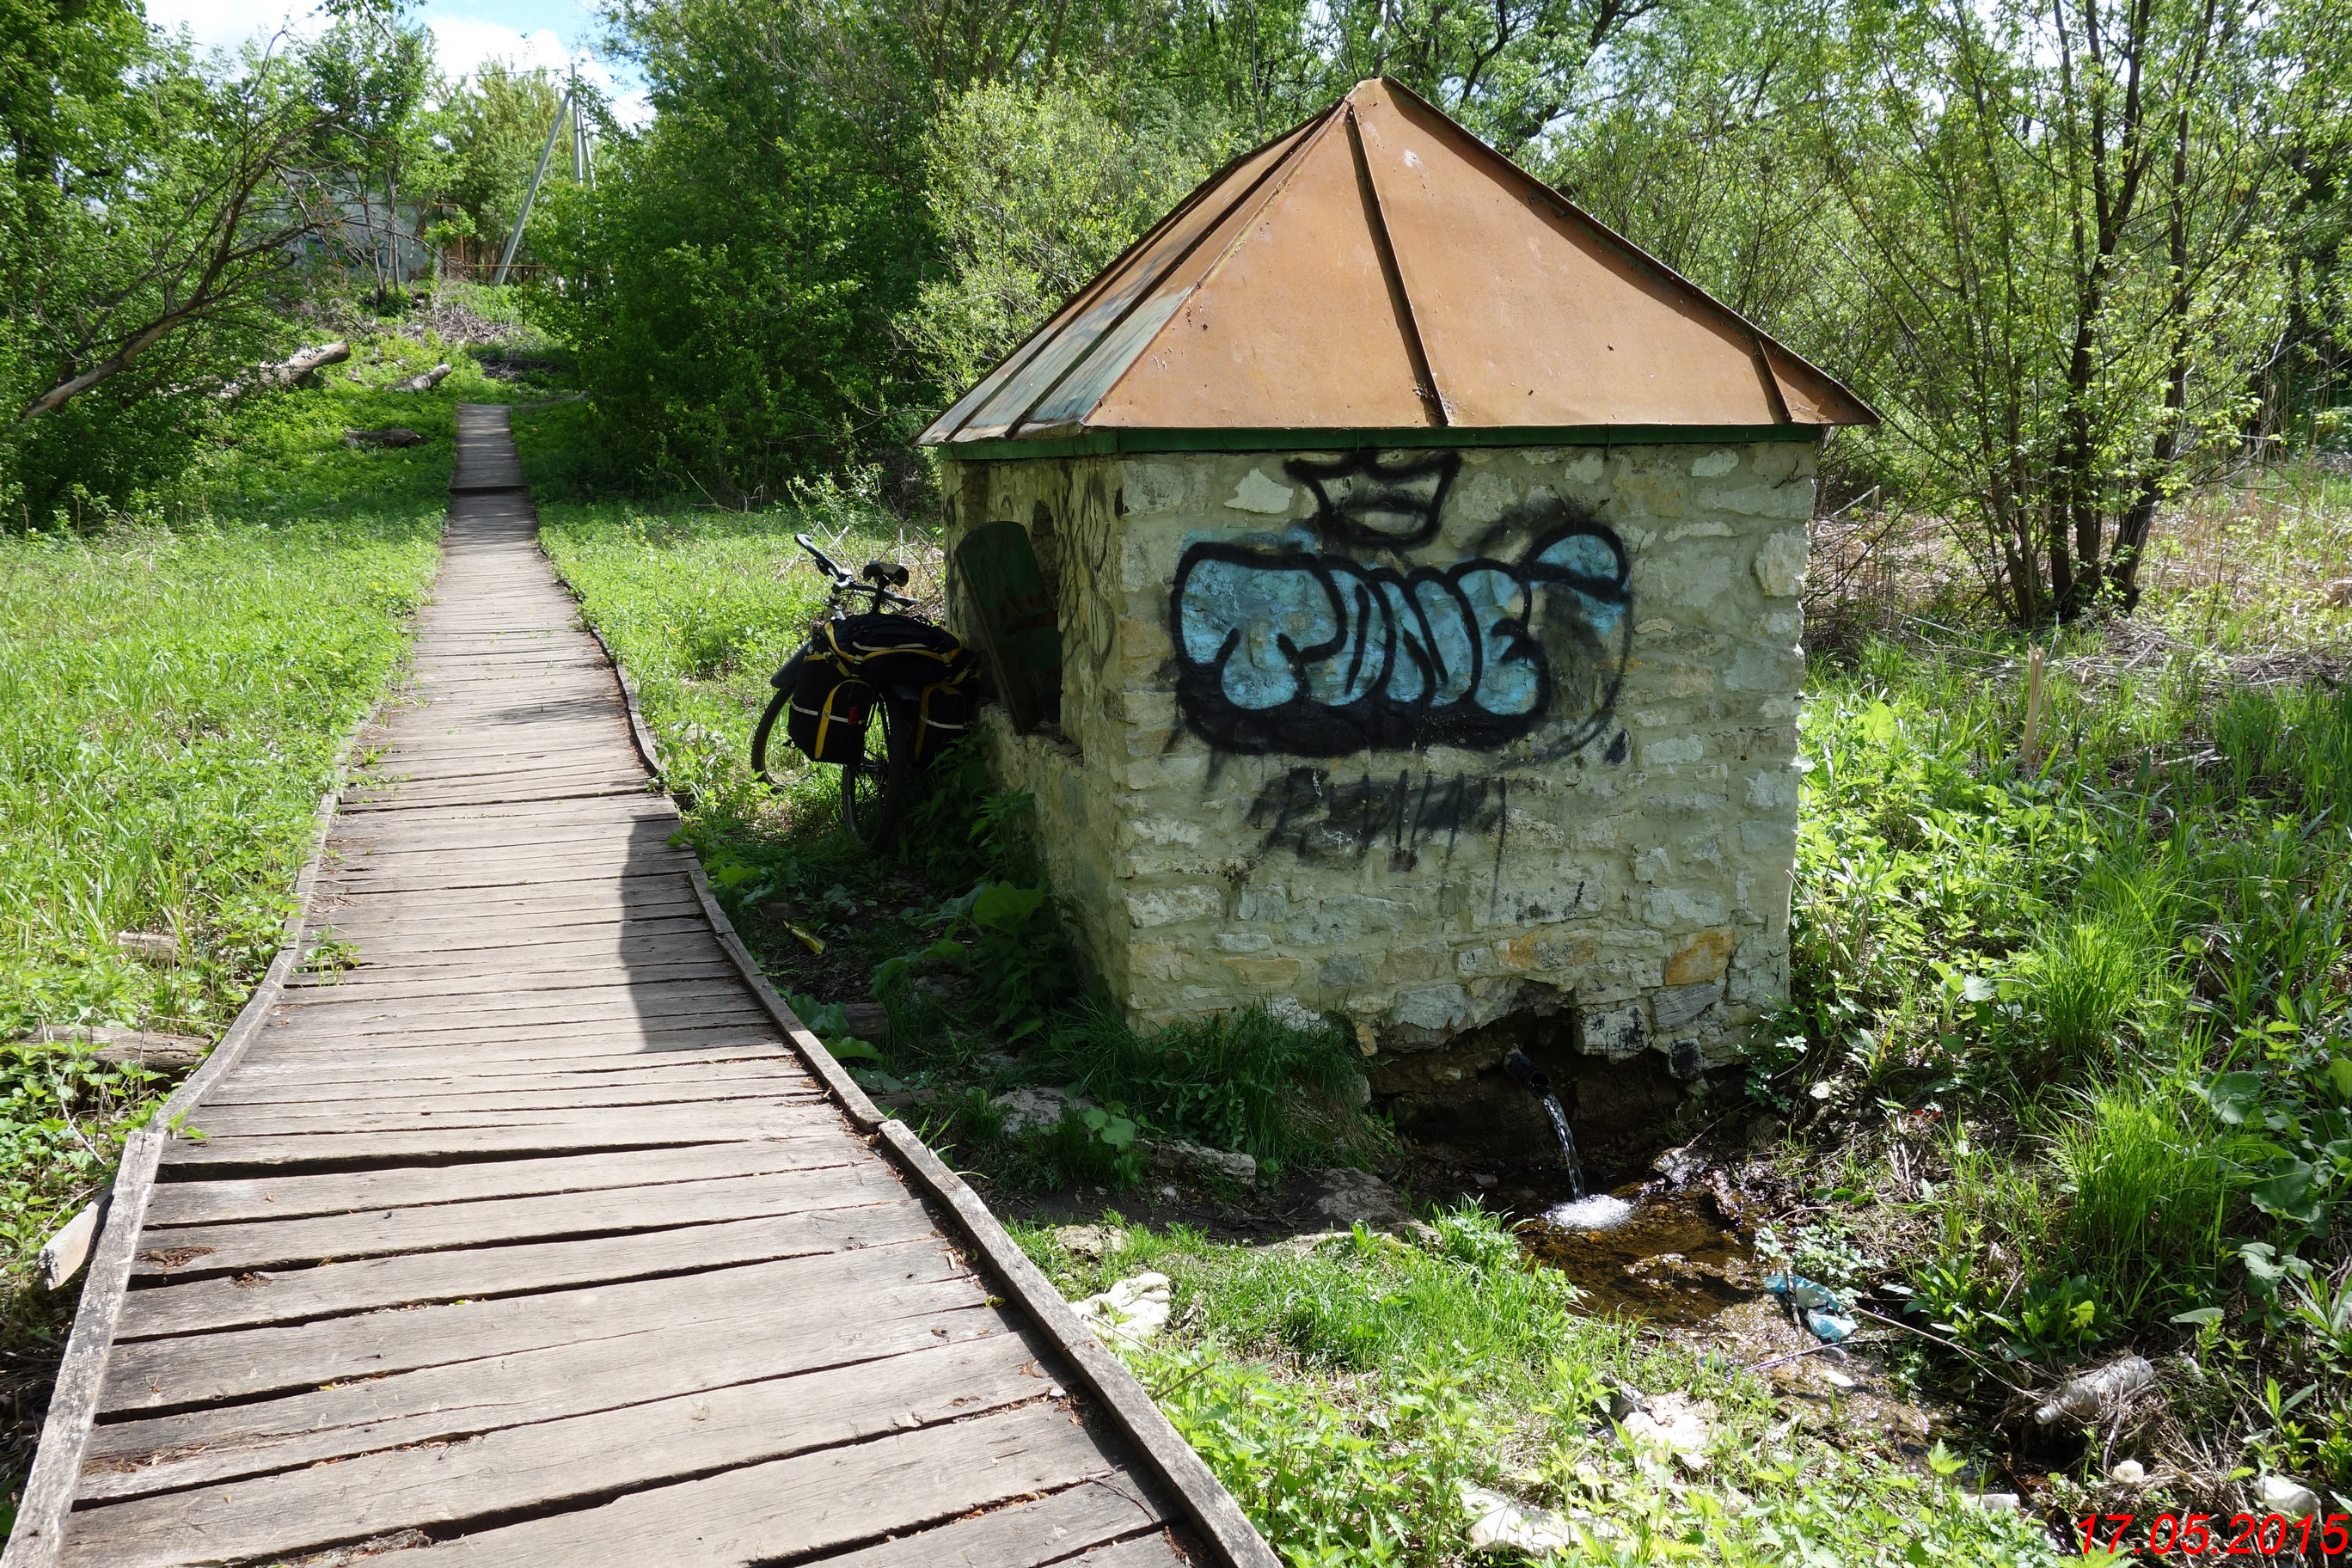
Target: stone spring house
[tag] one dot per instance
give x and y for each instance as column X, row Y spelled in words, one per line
column 1425, row 562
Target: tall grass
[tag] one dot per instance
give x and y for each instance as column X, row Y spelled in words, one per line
column 2151, row 1191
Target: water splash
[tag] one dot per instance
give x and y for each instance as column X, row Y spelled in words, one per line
column 1567, row 1146
column 1589, row 1213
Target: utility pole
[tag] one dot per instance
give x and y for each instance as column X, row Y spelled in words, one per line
column 555, row 127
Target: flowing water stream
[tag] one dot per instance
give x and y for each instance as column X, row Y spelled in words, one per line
column 1559, row 1115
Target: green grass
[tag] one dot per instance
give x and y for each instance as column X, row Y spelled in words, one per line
column 2122, row 967
column 1345, row 1393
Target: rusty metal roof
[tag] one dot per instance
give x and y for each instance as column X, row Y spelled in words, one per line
column 1382, row 273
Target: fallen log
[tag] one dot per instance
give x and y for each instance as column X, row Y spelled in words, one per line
column 296, row 367
column 392, row 435
column 127, row 1048
column 423, row 381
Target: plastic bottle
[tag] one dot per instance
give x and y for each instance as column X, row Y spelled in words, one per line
column 2082, row 1399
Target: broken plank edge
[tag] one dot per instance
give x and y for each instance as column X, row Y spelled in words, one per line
column 639, row 732
column 1212, row 1509
column 41, row 1527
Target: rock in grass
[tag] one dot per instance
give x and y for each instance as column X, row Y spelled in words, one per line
column 1091, row 1243
column 1034, row 1110
column 1672, row 1424
column 1358, row 1197
column 1199, row 1163
column 1133, row 1308
column 152, row 946
column 1499, row 1524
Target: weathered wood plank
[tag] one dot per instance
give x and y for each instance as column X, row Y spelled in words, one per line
column 162, row 1453
column 331, row 1092
column 170, row 1251
column 580, row 1461
column 800, row 1507
column 627, row 1128
column 1023, row 1534
column 224, row 1120
column 476, row 1273
column 219, row 1201
column 246, row 1364
column 527, row 1047
column 363, row 984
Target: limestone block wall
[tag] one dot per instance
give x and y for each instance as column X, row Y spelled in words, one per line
column 1427, row 737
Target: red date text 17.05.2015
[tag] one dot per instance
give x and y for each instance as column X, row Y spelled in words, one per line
column 2243, row 1535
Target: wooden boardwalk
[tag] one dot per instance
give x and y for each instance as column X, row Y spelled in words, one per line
column 537, row 1233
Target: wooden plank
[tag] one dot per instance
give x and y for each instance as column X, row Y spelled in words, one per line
column 392, row 836
column 361, row 984
column 580, row 1461
column 1210, row 1508
column 339, row 1288
column 625, row 1128
column 380, row 964
column 801, row 1507
column 220, row 1121
column 423, row 941
column 497, row 795
column 246, row 1364
column 627, row 1086
column 177, row 1251
column 1025, row 1535
column 159, row 1453
column 290, row 1196
column 457, row 877
column 294, row 1070
column 653, row 898
column 669, row 1003
column 531, row 1046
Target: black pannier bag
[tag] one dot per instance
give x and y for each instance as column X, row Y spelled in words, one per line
column 893, row 650
column 942, row 715
column 838, row 676
column 826, row 718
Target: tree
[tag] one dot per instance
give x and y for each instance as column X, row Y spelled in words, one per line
column 1033, row 190
column 494, row 125
column 154, row 211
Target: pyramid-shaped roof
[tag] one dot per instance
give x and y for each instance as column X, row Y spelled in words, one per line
column 1380, row 274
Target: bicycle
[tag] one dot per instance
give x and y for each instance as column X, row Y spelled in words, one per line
column 914, row 671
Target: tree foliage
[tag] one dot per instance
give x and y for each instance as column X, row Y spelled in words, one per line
column 155, row 213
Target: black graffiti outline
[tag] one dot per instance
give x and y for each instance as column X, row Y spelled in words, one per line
column 1387, row 488
column 1303, row 726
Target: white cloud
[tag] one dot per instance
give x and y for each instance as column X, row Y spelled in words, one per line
column 463, row 44
column 555, row 34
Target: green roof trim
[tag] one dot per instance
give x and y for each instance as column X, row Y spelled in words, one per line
column 1108, row 443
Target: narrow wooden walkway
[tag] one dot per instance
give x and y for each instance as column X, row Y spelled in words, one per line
column 531, row 1234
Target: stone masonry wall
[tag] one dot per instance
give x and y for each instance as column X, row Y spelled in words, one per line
column 1428, row 738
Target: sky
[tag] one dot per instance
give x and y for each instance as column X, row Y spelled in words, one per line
column 554, row 33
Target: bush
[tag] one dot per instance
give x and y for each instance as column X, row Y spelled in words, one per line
column 2151, row 1195
column 1248, row 1080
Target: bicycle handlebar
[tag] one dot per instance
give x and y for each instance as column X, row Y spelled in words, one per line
column 825, row 562
column 842, row 579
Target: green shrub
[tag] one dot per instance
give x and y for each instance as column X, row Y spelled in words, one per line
column 1242, row 1080
column 2150, row 1194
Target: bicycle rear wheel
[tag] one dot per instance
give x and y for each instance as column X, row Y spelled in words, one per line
column 876, row 787
column 760, row 734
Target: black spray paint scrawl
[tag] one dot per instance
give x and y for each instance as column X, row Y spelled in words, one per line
column 1307, row 653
